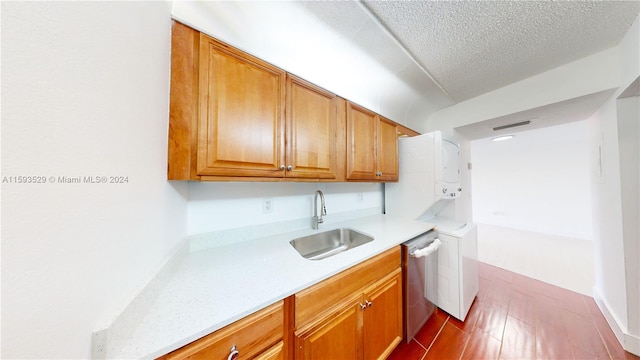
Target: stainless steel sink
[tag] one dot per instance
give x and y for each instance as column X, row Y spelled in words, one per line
column 328, row 243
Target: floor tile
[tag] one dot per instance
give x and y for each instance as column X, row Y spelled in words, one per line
column 410, row 351
column 516, row 317
column 524, row 284
column 522, row 307
column 470, row 321
column 431, row 328
column 609, row 338
column 499, row 290
column 583, row 335
column 519, row 340
column 492, row 317
column 449, row 344
column 548, row 312
column 552, row 343
column 481, row 346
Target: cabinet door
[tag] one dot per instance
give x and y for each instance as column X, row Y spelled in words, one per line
column 382, row 325
column 338, row 336
column 361, row 143
column 241, row 121
column 387, row 150
column 311, row 131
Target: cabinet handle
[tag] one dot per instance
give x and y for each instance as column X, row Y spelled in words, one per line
column 369, row 303
column 233, row 353
column 282, row 167
column 362, row 306
column 289, row 167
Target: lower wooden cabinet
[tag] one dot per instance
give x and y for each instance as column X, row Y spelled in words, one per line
column 354, row 315
column 363, row 324
column 336, row 336
column 382, row 319
column 276, row 352
column 258, row 335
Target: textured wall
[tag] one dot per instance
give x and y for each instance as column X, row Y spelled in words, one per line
column 84, row 93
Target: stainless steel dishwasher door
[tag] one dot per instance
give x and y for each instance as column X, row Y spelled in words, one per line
column 419, row 279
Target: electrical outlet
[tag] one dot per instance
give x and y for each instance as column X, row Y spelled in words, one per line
column 359, row 197
column 267, row 205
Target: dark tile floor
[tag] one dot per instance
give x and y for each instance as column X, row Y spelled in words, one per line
column 517, row 317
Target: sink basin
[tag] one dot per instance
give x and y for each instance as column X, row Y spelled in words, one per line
column 328, row 243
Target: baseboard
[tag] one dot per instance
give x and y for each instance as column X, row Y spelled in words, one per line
column 629, row 342
column 632, row 344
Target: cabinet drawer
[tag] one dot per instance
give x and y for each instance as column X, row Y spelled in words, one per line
column 314, row 300
column 274, row 353
column 251, row 336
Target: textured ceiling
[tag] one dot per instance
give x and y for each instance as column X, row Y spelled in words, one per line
column 471, row 47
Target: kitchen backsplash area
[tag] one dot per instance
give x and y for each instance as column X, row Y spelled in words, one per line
column 214, row 207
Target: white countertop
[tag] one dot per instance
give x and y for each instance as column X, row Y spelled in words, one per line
column 214, row 287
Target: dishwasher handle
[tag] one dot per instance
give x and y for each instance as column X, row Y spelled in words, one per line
column 426, row 250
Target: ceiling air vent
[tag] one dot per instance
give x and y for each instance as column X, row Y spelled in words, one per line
column 512, row 125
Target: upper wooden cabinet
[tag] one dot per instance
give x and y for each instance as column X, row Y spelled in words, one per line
column 372, row 146
column 241, row 123
column 313, row 132
column 234, row 117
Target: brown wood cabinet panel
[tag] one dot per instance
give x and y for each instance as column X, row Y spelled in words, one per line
column 405, row 131
column 241, row 127
column 387, row 150
column 372, row 146
column 336, row 337
column 361, row 143
column 314, row 300
column 274, row 353
column 382, row 324
column 312, row 129
column 251, row 336
column 183, row 100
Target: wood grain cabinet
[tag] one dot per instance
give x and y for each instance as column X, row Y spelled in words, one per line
column 356, row 314
column 257, row 336
column 234, row 116
column 314, row 132
column 372, row 146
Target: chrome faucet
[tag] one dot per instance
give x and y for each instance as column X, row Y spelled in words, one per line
column 323, row 210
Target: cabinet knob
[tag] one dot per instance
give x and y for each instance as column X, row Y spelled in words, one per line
column 369, row 303
column 289, row 167
column 233, row 353
column 282, row 167
column 363, row 306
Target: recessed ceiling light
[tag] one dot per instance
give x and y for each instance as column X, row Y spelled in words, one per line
column 502, row 138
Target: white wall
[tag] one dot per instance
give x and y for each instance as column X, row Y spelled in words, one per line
column 629, row 147
column 607, row 213
column 616, row 260
column 221, row 206
column 288, row 35
column 538, row 181
column 84, row 93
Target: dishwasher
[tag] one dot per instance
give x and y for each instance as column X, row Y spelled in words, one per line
column 420, row 275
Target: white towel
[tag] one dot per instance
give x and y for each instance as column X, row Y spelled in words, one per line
column 428, row 250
